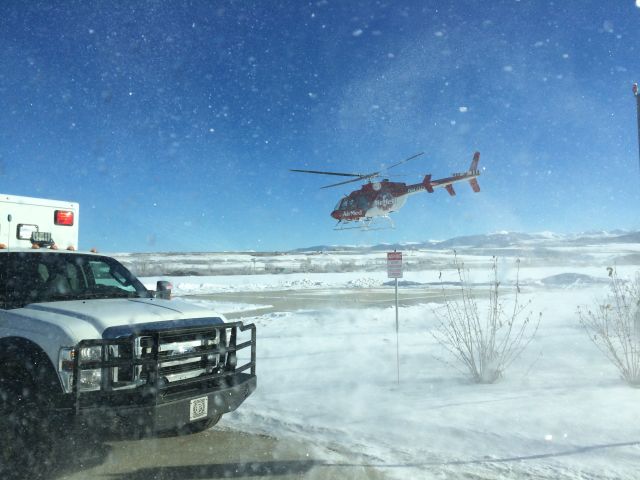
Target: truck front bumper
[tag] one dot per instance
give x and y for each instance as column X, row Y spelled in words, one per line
column 166, row 378
column 171, row 414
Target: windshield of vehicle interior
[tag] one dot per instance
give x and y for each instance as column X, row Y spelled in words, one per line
column 428, row 209
column 50, row 277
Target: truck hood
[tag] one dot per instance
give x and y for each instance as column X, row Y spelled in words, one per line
column 110, row 318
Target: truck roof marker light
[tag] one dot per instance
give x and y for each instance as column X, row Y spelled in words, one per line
column 71, row 248
column 63, row 217
column 3, row 246
column 35, row 246
column 54, row 247
column 94, row 250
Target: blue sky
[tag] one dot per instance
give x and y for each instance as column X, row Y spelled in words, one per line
column 174, row 124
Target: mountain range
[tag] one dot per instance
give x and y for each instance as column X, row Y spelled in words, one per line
column 494, row 240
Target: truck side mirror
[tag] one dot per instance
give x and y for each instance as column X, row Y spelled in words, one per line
column 163, row 289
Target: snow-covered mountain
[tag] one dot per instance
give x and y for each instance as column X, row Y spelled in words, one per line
column 495, row 240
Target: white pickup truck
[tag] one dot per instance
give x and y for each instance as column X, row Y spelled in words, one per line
column 82, row 339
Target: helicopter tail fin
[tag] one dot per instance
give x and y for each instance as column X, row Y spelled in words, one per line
column 473, row 170
column 474, row 163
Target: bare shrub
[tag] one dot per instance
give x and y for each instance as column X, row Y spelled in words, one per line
column 484, row 345
column 614, row 326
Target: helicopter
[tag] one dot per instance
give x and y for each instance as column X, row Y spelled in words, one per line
column 376, row 200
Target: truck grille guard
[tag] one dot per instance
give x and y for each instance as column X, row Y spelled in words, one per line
column 158, row 366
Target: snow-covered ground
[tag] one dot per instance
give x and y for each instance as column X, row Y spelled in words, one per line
column 329, row 376
column 529, row 276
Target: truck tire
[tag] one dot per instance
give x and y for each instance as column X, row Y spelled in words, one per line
column 25, row 416
column 19, row 422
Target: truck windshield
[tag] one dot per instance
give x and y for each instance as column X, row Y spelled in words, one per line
column 35, row 277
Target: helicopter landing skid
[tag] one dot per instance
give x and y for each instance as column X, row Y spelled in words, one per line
column 366, row 224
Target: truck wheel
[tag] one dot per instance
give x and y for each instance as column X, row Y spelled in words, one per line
column 199, row 425
column 23, row 438
column 26, row 422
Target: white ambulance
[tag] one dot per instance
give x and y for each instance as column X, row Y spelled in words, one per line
column 22, row 218
column 82, row 341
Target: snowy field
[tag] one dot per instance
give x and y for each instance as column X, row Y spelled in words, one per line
column 545, row 249
column 328, row 376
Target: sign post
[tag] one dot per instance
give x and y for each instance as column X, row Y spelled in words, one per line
column 394, row 270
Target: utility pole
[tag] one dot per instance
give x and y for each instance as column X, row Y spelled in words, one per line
column 636, row 317
column 635, row 94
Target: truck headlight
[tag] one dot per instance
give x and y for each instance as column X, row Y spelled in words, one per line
column 90, row 380
column 90, row 354
column 91, row 372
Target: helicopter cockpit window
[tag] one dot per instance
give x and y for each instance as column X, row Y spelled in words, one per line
column 343, row 204
column 362, row 203
column 347, row 203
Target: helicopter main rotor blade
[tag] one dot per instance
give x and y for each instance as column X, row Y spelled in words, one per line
column 374, row 174
column 363, row 177
column 403, row 161
column 357, row 176
column 330, row 173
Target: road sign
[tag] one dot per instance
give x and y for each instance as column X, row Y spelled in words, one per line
column 394, row 264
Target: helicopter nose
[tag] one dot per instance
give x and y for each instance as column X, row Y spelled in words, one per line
column 336, row 214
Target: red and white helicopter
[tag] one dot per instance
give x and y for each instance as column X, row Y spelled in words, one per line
column 379, row 199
